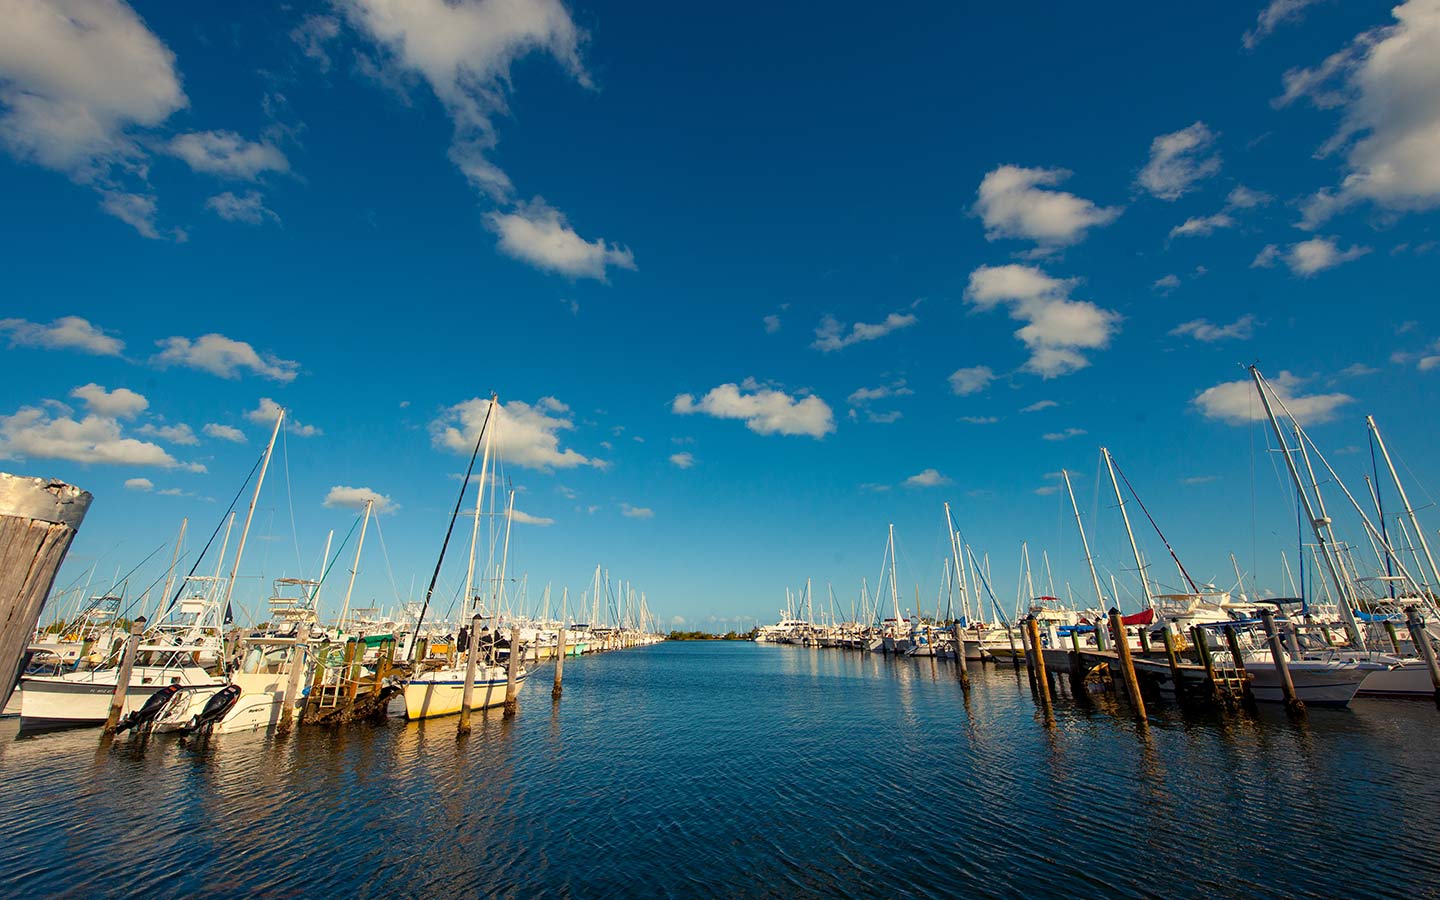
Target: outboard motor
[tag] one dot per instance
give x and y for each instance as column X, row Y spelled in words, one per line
column 215, row 708
column 147, row 713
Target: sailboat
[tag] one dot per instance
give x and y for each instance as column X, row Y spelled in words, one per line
column 437, row 687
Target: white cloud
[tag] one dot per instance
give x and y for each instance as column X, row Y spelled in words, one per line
column 1275, row 14
column 1242, row 329
column 1266, row 257
column 1236, row 403
column 248, row 208
column 830, row 334
column 539, row 235
column 223, row 356
column 224, row 433
column 1039, row 405
column 1318, row 254
column 139, row 211
column 1203, row 225
column 121, row 403
column 772, row 324
column 980, row 420
column 1242, row 197
column 342, row 497
column 764, row 410
column 682, row 460
column 927, row 478
column 464, row 49
column 227, row 154
column 267, row 410
column 637, row 512
column 1057, row 328
column 1178, row 160
column 65, row 333
column 1389, row 87
column 139, row 484
column 525, row 435
column 53, row 434
column 1014, row 202
column 525, row 518
column 1166, row 283
column 75, row 76
column 971, row 380
column 861, row 396
column 1065, row 435
column 312, row 34
column 181, row 433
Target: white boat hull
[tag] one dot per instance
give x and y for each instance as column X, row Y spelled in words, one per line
column 1412, row 679
column 442, row 692
column 1316, row 683
column 83, row 698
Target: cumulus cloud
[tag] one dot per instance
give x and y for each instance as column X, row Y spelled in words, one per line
column 464, row 50
column 1236, row 403
column 524, row 434
column 342, row 497
column 313, row 34
column 1242, row 197
column 1242, row 329
column 1016, row 202
column 1056, row 328
column 637, row 512
column 248, row 208
column 764, row 410
column 537, row 234
column 772, row 324
column 223, row 356
column 1387, row 81
column 1065, row 435
column 927, row 478
column 1306, row 258
column 181, row 433
column 525, row 518
column 1275, row 14
column 971, row 380
column 224, row 433
column 831, row 334
column 1166, row 283
column 35, row 433
column 266, row 411
column 863, row 399
column 227, row 154
column 1178, row 160
column 65, row 333
column 76, row 78
column 139, row 211
column 682, row 460
column 121, row 403
column 1038, row 405
column 1199, row 226
column 139, row 484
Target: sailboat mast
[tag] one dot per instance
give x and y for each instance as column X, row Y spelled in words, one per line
column 1404, row 498
column 894, row 591
column 1125, row 517
column 1084, row 542
column 250, row 513
column 360, row 545
column 170, row 575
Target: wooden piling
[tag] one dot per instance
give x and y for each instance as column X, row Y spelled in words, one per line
column 1202, row 654
column 122, row 677
column 1282, row 663
column 292, row 686
column 512, row 673
column 557, row 690
column 1144, row 641
column 1173, row 659
column 467, row 693
column 1029, row 653
column 960, row 664
column 1127, row 664
column 38, row 520
column 1232, row 639
column 1042, row 682
column 1394, row 636
column 1424, row 647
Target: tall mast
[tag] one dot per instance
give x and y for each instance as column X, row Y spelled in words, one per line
column 505, row 553
column 1319, row 526
column 1404, row 499
column 170, row 575
column 475, row 526
column 959, row 569
column 324, row 563
column 1125, row 517
column 250, row 513
column 224, row 544
column 894, row 591
column 1084, row 542
column 345, row 610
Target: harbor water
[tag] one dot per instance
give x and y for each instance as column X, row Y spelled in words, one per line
column 742, row 770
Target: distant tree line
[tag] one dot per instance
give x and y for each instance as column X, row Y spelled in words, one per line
column 706, row 636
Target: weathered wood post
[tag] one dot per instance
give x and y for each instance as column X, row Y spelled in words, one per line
column 1014, row 657
column 1202, row 655
column 122, row 677
column 1424, row 647
column 556, row 691
column 1394, row 635
column 1043, row 682
column 1127, row 665
column 960, row 664
column 1029, row 654
column 1173, row 658
column 292, row 686
column 38, row 520
column 1077, row 668
column 1282, row 664
column 512, row 672
column 467, row 693
column 1144, row 641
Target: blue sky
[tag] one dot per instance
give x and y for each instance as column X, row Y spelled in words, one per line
column 749, row 286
